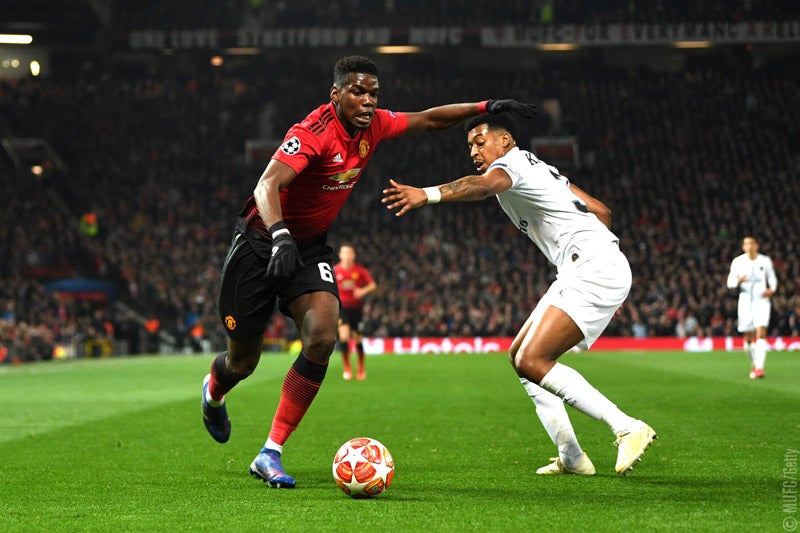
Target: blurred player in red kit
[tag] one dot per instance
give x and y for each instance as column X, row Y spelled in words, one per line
column 354, row 282
column 279, row 251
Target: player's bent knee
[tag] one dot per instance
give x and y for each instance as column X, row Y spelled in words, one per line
column 530, row 367
column 319, row 345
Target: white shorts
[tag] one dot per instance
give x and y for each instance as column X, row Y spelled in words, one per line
column 589, row 292
column 753, row 314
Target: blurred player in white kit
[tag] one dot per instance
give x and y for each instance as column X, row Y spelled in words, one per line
column 753, row 274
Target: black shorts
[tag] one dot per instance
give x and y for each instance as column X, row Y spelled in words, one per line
column 247, row 298
column 353, row 317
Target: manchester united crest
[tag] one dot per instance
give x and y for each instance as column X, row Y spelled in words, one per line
column 363, row 148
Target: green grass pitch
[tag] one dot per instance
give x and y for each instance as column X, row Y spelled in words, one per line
column 119, row 445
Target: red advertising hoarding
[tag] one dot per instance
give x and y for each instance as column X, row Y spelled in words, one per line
column 442, row 345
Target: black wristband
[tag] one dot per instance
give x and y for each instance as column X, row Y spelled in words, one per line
column 279, row 228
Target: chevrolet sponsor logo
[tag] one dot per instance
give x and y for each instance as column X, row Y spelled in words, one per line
column 344, row 177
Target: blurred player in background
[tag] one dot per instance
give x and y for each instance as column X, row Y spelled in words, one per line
column 280, row 253
column 572, row 229
column 354, row 283
column 753, row 274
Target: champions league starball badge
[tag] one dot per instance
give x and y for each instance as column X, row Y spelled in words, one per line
column 291, row 146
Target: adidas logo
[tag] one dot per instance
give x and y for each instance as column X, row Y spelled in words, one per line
column 338, row 158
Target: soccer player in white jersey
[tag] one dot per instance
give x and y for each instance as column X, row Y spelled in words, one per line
column 594, row 278
column 752, row 273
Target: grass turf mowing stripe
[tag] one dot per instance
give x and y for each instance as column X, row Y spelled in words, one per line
column 127, row 449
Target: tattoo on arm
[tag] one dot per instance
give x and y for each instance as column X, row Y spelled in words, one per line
column 465, row 189
column 453, row 186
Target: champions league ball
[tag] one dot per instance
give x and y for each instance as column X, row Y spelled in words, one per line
column 363, row 468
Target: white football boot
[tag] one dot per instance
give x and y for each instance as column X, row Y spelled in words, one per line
column 632, row 444
column 583, row 468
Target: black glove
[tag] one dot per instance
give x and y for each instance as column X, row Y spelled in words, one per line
column 285, row 260
column 511, row 106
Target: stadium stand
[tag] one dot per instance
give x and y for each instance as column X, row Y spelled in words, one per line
column 689, row 159
column 129, row 15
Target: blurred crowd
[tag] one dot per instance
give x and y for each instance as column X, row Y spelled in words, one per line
column 131, row 15
column 690, row 161
column 36, row 324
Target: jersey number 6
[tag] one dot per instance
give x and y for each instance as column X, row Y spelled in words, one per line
column 325, row 272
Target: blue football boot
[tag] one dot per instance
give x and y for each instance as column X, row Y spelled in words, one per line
column 215, row 418
column 267, row 467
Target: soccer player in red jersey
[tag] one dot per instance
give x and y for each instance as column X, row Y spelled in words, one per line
column 279, row 251
column 354, row 283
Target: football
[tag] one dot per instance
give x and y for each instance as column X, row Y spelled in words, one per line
column 363, row 468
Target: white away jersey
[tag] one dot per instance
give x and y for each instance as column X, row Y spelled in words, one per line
column 541, row 205
column 760, row 276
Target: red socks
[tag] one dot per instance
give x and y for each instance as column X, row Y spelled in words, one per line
column 221, row 381
column 300, row 387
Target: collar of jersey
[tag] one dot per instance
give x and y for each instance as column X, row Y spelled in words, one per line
column 503, row 157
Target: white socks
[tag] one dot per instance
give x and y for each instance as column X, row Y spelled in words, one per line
column 748, row 348
column 211, row 401
column 555, row 420
column 570, row 386
column 274, row 446
column 759, row 353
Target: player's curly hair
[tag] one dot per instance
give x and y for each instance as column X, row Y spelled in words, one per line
column 348, row 64
column 501, row 121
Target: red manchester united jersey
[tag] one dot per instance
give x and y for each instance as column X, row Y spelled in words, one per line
column 348, row 279
column 328, row 163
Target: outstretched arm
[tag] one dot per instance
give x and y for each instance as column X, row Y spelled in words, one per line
column 442, row 117
column 469, row 188
column 447, row 116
